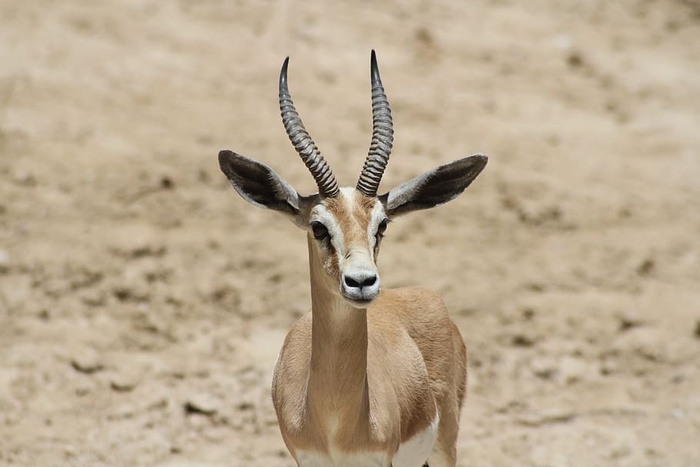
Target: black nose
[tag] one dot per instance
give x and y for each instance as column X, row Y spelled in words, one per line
column 360, row 281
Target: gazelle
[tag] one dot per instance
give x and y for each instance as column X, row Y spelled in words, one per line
column 371, row 377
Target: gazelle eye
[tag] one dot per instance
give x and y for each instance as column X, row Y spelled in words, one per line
column 320, row 231
column 382, row 227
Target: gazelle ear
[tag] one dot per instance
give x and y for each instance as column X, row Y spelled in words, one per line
column 259, row 184
column 435, row 187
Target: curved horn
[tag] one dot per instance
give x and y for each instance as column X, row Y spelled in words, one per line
column 382, row 136
column 304, row 145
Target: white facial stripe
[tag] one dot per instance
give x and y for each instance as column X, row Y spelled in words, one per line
column 376, row 218
column 320, row 214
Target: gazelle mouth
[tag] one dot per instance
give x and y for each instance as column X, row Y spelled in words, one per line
column 359, row 301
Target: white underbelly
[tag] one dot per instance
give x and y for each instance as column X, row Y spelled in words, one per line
column 415, row 451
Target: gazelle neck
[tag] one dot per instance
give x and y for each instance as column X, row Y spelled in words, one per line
column 338, row 374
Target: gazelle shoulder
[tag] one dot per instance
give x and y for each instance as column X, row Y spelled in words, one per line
column 290, row 375
column 422, row 313
column 291, row 367
column 410, row 303
column 297, row 344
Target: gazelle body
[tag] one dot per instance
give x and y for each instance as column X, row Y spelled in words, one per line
column 371, row 377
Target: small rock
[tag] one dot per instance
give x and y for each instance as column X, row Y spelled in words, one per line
column 627, row 323
column 166, row 183
column 679, row 414
column 522, row 340
column 24, row 178
column 246, row 405
column 125, row 380
column 608, row 367
column 646, row 267
column 203, row 404
column 123, row 411
column 70, row 451
column 540, row 418
column 563, row 42
column 87, row 361
column 572, row 369
column 574, row 59
column 543, row 367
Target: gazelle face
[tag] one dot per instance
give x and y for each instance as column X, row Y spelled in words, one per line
column 345, row 226
column 346, row 232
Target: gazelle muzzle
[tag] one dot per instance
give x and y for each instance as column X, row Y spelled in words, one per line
column 360, row 281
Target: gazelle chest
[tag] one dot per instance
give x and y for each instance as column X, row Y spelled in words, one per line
column 337, row 459
column 412, row 453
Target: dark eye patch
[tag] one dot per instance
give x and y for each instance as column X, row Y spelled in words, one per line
column 320, row 231
column 382, row 227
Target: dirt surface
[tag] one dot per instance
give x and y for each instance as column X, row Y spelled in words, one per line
column 142, row 302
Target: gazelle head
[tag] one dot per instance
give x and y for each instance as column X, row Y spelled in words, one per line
column 345, row 226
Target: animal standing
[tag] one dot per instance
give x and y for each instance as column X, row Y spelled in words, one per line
column 372, row 376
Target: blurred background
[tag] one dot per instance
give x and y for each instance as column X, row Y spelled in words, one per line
column 142, row 302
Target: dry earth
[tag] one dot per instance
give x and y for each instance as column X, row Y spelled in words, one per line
column 142, row 303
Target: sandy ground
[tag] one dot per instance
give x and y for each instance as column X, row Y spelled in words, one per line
column 142, row 302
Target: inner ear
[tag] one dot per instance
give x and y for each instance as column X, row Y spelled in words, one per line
column 435, row 187
column 259, row 184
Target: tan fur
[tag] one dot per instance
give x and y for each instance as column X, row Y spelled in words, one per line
column 357, row 380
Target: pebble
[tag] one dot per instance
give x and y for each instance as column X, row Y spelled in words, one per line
column 543, row 367
column 203, row 404
column 126, row 380
column 87, row 361
column 572, row 369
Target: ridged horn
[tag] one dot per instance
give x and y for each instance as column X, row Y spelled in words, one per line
column 382, row 136
column 303, row 144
